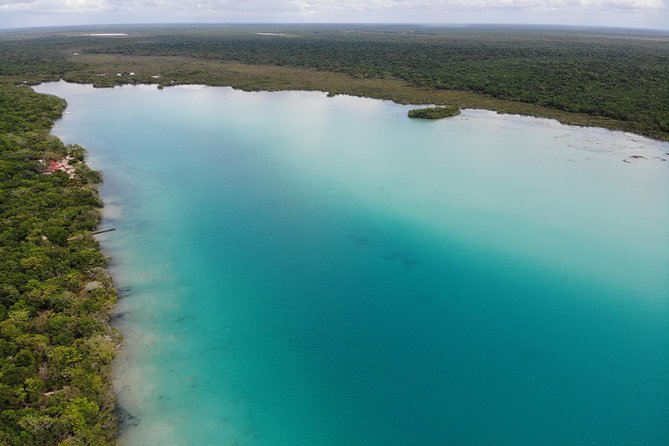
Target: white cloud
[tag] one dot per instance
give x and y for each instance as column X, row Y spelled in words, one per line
column 579, row 12
column 57, row 6
column 307, row 6
column 370, row 5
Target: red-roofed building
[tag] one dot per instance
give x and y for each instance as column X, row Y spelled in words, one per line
column 53, row 166
column 63, row 165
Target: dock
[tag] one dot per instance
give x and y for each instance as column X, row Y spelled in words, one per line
column 102, row 231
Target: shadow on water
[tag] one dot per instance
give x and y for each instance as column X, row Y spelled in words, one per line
column 405, row 259
column 408, row 261
column 125, row 418
column 115, row 318
column 360, row 241
column 123, row 292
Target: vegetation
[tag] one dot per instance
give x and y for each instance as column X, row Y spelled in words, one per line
column 434, row 112
column 612, row 78
column 55, row 295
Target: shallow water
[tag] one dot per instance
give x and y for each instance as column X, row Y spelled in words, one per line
column 304, row 270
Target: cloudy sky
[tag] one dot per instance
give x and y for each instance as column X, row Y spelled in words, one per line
column 628, row 13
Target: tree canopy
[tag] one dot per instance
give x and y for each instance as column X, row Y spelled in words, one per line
column 56, row 347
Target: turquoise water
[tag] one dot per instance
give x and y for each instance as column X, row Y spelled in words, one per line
column 304, row 270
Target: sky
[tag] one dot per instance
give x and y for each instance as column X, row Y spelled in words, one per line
column 625, row 13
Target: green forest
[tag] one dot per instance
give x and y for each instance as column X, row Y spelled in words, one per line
column 55, row 294
column 434, row 112
column 619, row 75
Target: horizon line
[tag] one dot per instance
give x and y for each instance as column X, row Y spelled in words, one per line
column 417, row 24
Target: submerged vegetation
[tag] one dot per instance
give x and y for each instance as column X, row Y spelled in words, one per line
column 446, row 111
column 610, row 78
column 55, row 295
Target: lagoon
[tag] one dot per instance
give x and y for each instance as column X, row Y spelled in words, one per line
column 304, row 270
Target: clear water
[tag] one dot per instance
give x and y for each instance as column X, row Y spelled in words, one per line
column 304, row 270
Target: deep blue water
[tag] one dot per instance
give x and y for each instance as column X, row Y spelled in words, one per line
column 304, row 270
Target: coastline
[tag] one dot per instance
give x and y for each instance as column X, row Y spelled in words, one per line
column 248, row 77
column 97, row 70
column 57, row 294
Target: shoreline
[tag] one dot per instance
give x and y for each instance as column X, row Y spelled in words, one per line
column 249, row 77
column 578, row 77
column 153, row 85
column 57, row 290
column 110, row 70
